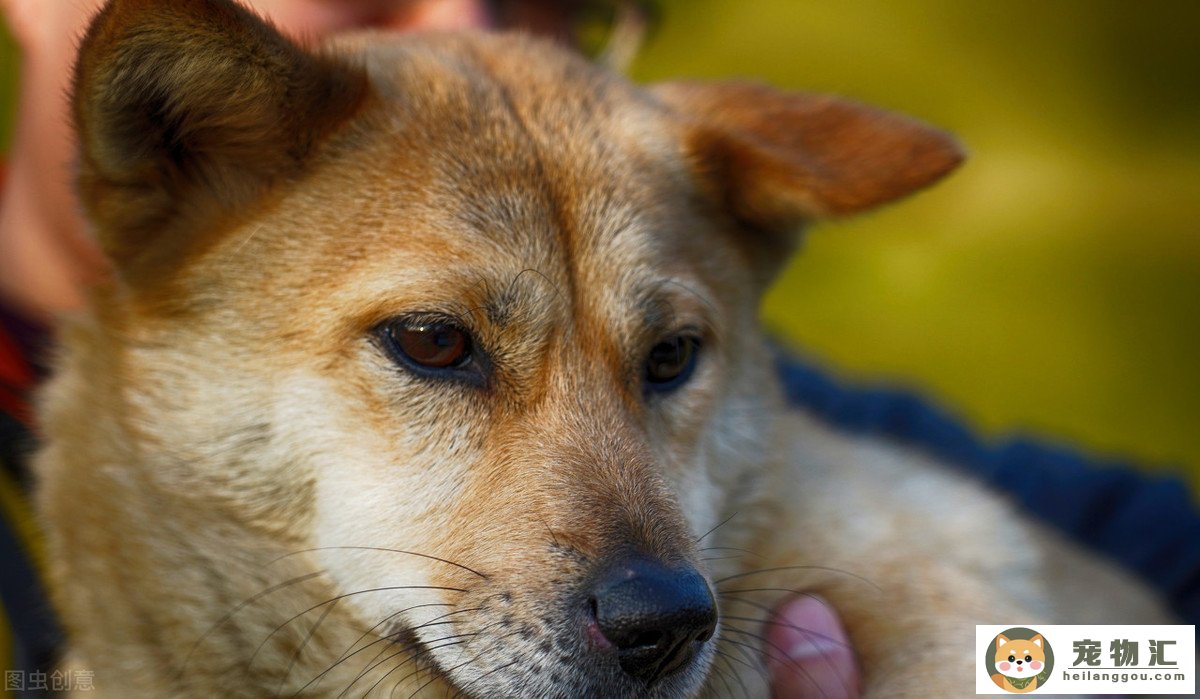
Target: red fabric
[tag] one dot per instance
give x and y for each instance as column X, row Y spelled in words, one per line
column 16, row 380
column 16, row 376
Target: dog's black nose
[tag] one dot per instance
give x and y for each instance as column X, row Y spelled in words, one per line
column 656, row 616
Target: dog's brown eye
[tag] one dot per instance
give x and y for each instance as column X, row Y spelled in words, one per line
column 430, row 348
column 671, row 362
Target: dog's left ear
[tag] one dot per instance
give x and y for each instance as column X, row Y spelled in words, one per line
column 1037, row 640
column 777, row 160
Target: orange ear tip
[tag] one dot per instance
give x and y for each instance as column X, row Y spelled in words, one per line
column 945, row 157
column 956, row 152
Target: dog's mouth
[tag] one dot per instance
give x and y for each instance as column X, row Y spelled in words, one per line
column 570, row 676
column 634, row 628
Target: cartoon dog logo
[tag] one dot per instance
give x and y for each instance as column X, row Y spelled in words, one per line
column 1021, row 664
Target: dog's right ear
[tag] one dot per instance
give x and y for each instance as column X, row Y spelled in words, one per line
column 1001, row 640
column 188, row 109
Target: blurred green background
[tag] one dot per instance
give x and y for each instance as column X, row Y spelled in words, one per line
column 1053, row 284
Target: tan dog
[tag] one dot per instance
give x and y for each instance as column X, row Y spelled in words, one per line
column 1019, row 662
column 430, row 362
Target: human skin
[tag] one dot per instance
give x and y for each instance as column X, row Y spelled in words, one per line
column 47, row 258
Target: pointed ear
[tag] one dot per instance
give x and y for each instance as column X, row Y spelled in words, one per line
column 1001, row 640
column 188, row 109
column 780, row 159
column 1037, row 640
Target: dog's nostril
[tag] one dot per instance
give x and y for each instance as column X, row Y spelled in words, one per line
column 655, row 616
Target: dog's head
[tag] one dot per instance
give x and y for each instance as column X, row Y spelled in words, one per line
column 470, row 318
column 1020, row 658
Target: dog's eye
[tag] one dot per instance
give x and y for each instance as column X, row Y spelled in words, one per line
column 1028, row 658
column 671, row 362
column 433, row 346
column 427, row 346
column 1012, row 658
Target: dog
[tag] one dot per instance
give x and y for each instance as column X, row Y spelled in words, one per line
column 431, row 365
column 1019, row 663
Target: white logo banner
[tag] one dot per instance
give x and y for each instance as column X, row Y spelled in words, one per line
column 1075, row 659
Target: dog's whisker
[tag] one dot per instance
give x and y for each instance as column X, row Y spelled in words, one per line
column 462, row 691
column 718, row 672
column 351, row 651
column 426, row 649
column 720, row 524
column 778, row 569
column 393, row 615
column 332, row 600
column 300, row 649
column 541, row 274
column 808, row 633
column 732, row 594
column 723, row 673
column 242, row 605
column 731, row 548
column 753, row 666
column 381, row 549
column 414, row 648
column 422, row 647
column 394, row 636
column 447, row 672
column 783, row 655
column 386, row 639
column 770, row 621
column 701, row 297
column 732, row 671
column 247, row 239
column 549, row 531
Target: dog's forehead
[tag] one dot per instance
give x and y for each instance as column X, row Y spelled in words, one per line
column 518, row 136
column 507, row 152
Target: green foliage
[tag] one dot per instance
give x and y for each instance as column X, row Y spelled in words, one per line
column 1053, row 284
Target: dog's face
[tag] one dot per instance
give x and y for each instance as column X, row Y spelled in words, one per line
column 465, row 319
column 1020, row 658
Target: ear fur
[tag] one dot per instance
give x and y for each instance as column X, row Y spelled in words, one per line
column 188, row 109
column 1037, row 640
column 1001, row 640
column 777, row 160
